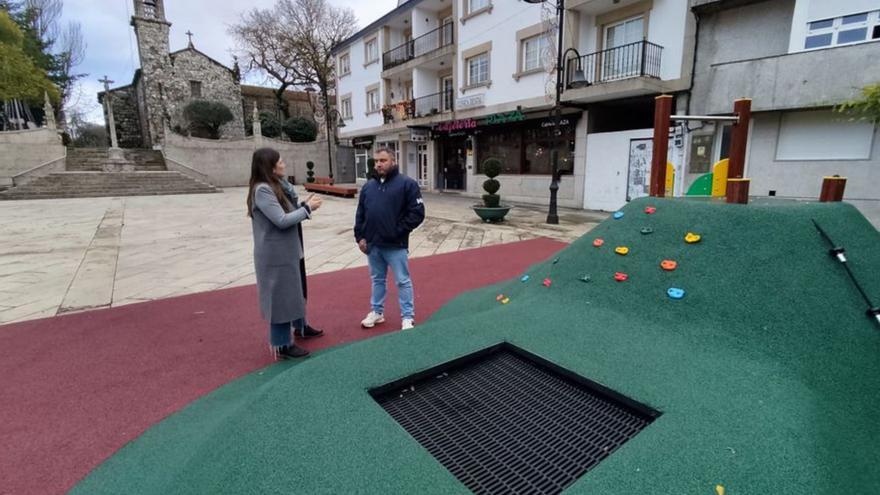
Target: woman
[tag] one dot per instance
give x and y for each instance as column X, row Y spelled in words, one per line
column 278, row 252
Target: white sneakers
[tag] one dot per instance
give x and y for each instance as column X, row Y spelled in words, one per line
column 374, row 319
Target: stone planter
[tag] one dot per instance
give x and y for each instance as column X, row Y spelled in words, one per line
column 491, row 215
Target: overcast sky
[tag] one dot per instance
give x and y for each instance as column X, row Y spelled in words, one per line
column 111, row 46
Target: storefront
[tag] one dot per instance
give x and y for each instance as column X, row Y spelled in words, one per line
column 363, row 147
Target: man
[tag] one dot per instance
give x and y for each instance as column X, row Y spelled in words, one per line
column 390, row 206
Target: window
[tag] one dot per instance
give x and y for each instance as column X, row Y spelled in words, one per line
column 823, row 135
column 475, row 5
column 371, row 51
column 372, row 101
column 845, row 30
column 478, row 69
column 526, row 148
column 344, row 64
column 346, row 107
column 533, row 51
column 195, row 89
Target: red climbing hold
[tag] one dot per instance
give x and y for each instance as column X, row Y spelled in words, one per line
column 598, row 242
column 621, row 277
column 650, row 209
column 547, row 282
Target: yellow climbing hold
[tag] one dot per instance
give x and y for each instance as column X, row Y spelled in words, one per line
column 692, row 238
column 719, row 489
column 505, row 300
column 621, row 250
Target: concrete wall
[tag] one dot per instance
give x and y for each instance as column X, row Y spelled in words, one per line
column 744, row 33
column 803, row 179
column 228, row 162
column 23, row 150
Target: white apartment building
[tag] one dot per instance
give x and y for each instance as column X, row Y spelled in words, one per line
column 450, row 83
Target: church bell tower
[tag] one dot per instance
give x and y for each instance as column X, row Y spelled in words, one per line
column 152, row 31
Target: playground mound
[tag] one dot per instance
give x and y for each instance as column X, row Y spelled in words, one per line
column 765, row 373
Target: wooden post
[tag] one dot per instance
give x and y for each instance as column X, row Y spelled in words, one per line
column 832, row 189
column 739, row 137
column 662, row 111
column 738, row 191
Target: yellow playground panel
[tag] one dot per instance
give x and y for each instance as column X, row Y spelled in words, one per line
column 712, row 184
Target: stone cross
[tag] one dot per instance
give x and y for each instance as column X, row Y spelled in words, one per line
column 258, row 127
column 114, row 144
column 189, row 34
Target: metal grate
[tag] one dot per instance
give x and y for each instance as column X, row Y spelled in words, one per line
column 505, row 421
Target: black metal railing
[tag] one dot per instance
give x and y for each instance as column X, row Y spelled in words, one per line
column 424, row 44
column 425, row 106
column 639, row 59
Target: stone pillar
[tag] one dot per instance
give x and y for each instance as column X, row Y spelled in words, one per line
column 49, row 117
column 258, row 128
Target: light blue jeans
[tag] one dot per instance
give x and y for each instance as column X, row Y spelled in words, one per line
column 380, row 260
column 279, row 333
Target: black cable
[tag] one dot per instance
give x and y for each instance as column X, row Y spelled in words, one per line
column 839, row 253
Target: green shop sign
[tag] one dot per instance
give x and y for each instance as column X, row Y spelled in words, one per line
column 505, row 118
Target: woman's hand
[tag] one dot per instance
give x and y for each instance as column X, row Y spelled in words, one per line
column 314, row 202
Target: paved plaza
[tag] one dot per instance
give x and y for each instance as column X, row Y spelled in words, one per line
column 59, row 256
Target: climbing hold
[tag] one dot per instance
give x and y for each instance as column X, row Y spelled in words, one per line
column 621, row 250
column 668, row 265
column 647, row 230
column 675, row 292
column 719, row 489
column 621, row 277
column 505, row 300
column 547, row 282
column 650, row 210
column 499, row 297
column 598, row 242
column 618, row 215
column 586, row 279
column 525, row 278
column 692, row 238
column 556, row 261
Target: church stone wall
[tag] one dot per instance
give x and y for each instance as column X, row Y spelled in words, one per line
column 126, row 116
column 217, row 84
column 152, row 35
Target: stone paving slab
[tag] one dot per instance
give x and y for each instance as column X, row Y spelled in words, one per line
column 74, row 254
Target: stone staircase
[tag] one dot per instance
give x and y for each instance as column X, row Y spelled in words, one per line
column 84, row 177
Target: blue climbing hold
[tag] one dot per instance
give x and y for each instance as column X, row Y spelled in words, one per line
column 525, row 278
column 618, row 215
column 675, row 293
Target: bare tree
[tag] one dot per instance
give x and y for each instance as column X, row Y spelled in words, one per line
column 71, row 49
column 292, row 41
column 43, row 16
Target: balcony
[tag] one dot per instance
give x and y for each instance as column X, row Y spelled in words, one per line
column 639, row 59
column 424, row 106
column 423, row 45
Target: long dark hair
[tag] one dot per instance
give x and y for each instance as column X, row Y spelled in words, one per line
column 262, row 171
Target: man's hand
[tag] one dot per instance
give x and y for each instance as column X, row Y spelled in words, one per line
column 314, row 202
column 362, row 244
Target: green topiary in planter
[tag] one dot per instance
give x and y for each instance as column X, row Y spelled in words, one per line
column 492, row 168
column 311, row 172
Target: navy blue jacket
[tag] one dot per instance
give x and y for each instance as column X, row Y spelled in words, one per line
column 388, row 211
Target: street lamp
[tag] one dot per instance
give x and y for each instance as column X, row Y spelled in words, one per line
column 329, row 115
column 552, row 216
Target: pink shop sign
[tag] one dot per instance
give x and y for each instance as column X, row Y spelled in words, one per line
column 456, row 125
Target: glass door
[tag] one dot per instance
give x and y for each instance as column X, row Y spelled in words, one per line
column 622, row 57
column 423, row 166
column 448, row 93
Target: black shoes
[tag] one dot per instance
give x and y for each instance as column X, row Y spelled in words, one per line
column 308, row 332
column 292, row 352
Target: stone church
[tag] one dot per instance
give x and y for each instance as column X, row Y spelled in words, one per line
column 167, row 81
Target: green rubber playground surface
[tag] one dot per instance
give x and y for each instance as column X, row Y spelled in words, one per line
column 767, row 372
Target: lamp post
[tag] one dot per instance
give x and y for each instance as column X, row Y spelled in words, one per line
column 552, row 216
column 329, row 115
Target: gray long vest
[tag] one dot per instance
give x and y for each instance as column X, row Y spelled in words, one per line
column 278, row 257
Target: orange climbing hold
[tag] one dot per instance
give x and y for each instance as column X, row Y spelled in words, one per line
column 668, row 265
